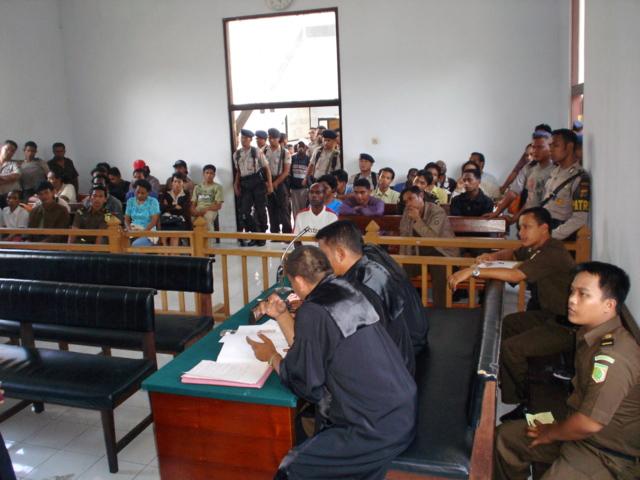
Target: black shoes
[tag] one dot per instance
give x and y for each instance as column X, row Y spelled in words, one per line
column 242, row 243
column 517, row 413
column 257, row 243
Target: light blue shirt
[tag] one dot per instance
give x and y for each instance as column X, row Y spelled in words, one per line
column 141, row 214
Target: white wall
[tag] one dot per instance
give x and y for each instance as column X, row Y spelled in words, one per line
column 431, row 79
column 32, row 81
column 612, row 97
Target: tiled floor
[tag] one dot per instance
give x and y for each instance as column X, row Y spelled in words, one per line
column 67, row 443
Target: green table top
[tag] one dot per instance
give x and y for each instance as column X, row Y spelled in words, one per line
column 167, row 379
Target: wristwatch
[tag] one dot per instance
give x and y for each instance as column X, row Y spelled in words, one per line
column 476, row 272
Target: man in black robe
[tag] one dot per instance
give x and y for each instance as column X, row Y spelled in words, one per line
column 341, row 242
column 342, row 359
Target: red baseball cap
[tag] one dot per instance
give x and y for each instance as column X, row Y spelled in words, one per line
column 139, row 164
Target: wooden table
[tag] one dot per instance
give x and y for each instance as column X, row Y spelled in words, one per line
column 206, row 432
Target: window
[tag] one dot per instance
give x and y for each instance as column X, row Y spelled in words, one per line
column 577, row 59
column 282, row 72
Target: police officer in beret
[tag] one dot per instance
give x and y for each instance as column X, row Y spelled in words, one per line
column 261, row 140
column 278, row 202
column 252, row 182
column 327, row 158
column 600, row 437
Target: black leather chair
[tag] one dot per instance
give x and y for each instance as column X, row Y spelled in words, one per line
column 95, row 382
column 452, row 375
column 174, row 332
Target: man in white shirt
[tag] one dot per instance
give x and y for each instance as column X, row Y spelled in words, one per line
column 317, row 215
column 14, row 216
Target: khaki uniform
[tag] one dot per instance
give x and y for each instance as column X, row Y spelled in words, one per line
column 253, row 189
column 279, row 204
column 607, row 390
column 434, row 223
column 571, row 205
column 539, row 332
column 325, row 161
column 86, row 218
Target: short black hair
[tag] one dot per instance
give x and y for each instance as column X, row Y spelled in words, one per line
column 57, row 171
column 329, row 180
column 341, row 175
column 309, row 263
column 388, row 170
column 58, row 145
column 208, row 166
column 362, row 182
column 433, row 165
column 612, row 280
column 474, row 171
column 467, row 163
column 143, row 170
column 44, row 186
column 104, row 165
column 412, row 189
column 11, row 142
column 568, row 136
column 31, row 144
column 428, row 176
column 142, row 183
column 179, row 176
column 343, row 233
column 115, row 171
column 540, row 134
column 102, row 188
column 543, row 127
column 541, row 215
column 100, row 176
column 99, row 170
column 479, row 155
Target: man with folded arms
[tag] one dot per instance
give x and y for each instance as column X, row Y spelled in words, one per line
column 361, row 202
column 341, row 359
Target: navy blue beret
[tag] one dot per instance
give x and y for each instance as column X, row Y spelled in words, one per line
column 261, row 134
column 274, row 133
column 246, row 133
column 366, row 156
column 330, row 134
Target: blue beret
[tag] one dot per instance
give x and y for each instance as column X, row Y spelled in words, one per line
column 274, row 133
column 330, row 134
column 577, row 125
column 366, row 156
column 261, row 134
column 246, row 133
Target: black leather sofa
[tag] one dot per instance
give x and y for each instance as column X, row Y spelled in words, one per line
column 456, row 380
column 95, row 382
column 174, row 332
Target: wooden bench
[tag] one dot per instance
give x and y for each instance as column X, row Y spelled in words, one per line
column 456, row 381
column 94, row 382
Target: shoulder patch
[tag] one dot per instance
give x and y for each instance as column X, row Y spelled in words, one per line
column 599, row 373
column 605, row 358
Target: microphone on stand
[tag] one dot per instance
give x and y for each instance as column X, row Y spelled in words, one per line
column 281, row 289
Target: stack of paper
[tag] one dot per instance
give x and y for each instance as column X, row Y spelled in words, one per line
column 499, row 264
column 236, row 365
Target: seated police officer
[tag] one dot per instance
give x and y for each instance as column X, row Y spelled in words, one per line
column 600, row 436
column 252, row 182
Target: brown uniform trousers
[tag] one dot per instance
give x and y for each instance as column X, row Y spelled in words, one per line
column 528, row 334
column 571, row 460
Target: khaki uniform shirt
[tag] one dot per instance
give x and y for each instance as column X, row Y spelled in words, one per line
column 276, row 160
column 550, row 268
column 390, row 196
column 434, row 223
column 607, row 385
column 246, row 164
column 86, row 218
column 534, row 179
column 325, row 161
column 572, row 203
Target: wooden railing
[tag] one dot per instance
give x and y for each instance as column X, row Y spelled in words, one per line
column 116, row 240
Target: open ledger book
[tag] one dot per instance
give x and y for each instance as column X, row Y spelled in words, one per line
column 236, row 365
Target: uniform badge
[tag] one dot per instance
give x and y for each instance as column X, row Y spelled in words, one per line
column 607, row 340
column 599, row 373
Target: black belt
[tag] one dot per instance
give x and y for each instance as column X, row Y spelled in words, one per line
column 615, row 453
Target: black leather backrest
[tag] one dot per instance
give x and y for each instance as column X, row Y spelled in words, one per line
column 72, row 304
column 187, row 274
column 488, row 346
